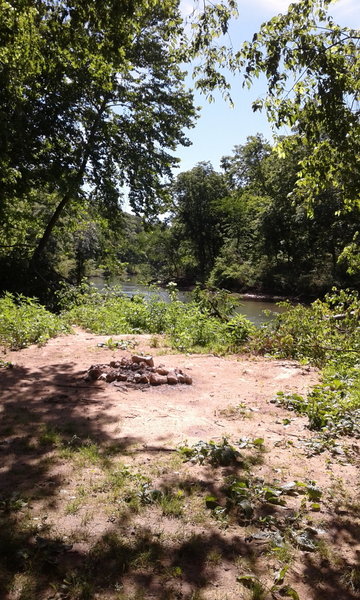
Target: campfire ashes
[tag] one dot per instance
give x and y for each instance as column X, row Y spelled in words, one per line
column 137, row 369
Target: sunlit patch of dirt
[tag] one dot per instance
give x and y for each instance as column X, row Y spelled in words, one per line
column 97, row 502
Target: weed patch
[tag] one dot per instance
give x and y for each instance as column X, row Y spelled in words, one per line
column 23, row 321
column 189, row 326
column 326, row 334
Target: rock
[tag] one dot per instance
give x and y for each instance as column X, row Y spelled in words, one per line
column 141, row 378
column 115, row 364
column 138, row 370
column 156, row 379
column 111, row 376
column 94, row 373
column 172, row 378
column 143, row 366
column 148, row 360
column 162, row 371
column 183, row 378
column 121, row 377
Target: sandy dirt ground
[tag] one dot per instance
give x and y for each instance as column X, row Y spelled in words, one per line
column 229, row 397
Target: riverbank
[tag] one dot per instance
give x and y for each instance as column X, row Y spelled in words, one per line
column 252, row 306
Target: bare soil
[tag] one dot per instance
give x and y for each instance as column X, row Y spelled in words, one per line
column 106, row 546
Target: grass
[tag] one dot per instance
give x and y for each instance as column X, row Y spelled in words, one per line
column 351, row 579
column 172, row 505
column 239, row 411
column 73, row 507
column 48, row 436
column 127, row 500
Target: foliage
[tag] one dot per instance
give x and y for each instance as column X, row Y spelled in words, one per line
column 195, row 195
column 92, row 98
column 246, row 229
column 326, row 334
column 327, row 330
column 6, row 364
column 222, row 454
column 260, row 591
column 188, row 325
column 23, row 321
column 79, row 63
column 311, row 65
column 218, row 454
column 333, row 406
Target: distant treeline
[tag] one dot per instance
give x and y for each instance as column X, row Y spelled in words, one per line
column 247, row 228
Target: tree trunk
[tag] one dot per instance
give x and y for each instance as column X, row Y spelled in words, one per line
column 73, row 187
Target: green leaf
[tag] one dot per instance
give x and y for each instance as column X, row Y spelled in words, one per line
column 249, row 581
column 288, row 592
column 258, row 442
column 211, row 502
column 280, row 575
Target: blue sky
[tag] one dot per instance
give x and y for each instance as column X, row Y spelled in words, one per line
column 220, row 127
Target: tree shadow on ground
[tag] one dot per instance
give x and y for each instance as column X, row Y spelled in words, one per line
column 127, row 560
column 336, row 576
column 39, row 406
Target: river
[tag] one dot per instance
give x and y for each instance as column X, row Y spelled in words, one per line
column 252, row 308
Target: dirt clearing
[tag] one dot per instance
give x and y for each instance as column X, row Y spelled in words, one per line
column 97, row 500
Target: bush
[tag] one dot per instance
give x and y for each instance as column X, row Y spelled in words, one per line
column 326, row 334
column 189, row 326
column 23, row 321
column 327, row 330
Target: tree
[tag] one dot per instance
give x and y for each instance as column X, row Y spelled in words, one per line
column 196, row 194
column 271, row 240
column 245, row 168
column 92, row 98
column 312, row 66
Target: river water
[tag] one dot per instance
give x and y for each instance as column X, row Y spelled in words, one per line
column 252, row 309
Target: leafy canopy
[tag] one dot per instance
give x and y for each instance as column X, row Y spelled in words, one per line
column 92, row 98
column 312, row 67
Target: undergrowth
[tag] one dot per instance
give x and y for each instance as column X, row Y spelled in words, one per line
column 193, row 326
column 327, row 335
column 23, row 321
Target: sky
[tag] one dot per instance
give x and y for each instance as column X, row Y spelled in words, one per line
column 220, row 127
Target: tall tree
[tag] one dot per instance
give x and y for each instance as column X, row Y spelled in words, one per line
column 98, row 100
column 92, row 97
column 196, row 194
column 312, row 66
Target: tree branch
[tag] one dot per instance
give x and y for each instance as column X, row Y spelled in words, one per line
column 73, row 185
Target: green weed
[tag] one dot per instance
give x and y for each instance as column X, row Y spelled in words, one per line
column 23, row 321
column 73, row 507
column 218, row 454
column 49, row 437
column 172, row 504
column 189, row 326
column 326, row 334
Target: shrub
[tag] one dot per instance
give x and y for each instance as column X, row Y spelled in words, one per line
column 23, row 321
column 326, row 334
column 189, row 325
column 326, row 331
